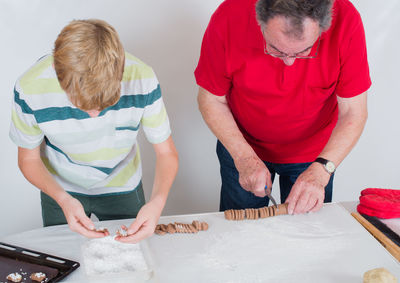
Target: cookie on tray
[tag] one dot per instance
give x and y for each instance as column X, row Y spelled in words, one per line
column 38, row 276
column 14, row 277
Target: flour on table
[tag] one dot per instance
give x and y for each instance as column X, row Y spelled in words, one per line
column 300, row 246
column 106, row 256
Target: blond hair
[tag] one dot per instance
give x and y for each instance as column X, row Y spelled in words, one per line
column 89, row 62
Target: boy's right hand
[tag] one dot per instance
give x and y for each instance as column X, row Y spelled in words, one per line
column 77, row 219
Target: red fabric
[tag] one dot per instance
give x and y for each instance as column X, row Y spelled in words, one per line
column 377, row 213
column 382, row 203
column 390, row 193
column 286, row 113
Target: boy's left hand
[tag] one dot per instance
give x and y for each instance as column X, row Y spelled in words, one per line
column 144, row 224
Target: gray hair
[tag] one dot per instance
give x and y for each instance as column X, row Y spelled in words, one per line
column 296, row 11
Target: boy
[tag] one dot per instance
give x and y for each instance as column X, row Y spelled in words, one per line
column 75, row 119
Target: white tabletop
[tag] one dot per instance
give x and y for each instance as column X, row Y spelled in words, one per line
column 327, row 246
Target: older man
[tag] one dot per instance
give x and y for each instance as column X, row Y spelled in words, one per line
column 283, row 85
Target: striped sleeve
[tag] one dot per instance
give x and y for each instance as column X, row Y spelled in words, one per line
column 24, row 130
column 155, row 120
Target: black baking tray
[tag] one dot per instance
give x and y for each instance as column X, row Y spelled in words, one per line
column 25, row 261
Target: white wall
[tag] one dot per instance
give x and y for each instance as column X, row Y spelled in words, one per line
column 167, row 36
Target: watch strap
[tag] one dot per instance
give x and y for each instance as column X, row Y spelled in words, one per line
column 326, row 163
column 321, row 160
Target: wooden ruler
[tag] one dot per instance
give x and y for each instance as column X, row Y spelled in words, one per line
column 385, row 241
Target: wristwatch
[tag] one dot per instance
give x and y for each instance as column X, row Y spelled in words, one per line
column 328, row 165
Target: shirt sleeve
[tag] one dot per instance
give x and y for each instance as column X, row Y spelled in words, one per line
column 24, row 130
column 155, row 120
column 211, row 72
column 354, row 77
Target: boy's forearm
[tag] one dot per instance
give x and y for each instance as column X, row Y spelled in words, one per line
column 166, row 169
column 37, row 174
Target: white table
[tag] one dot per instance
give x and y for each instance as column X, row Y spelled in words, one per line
column 327, row 246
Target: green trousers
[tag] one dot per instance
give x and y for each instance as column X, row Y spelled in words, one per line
column 106, row 207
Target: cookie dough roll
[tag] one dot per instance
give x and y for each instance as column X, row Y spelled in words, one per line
column 261, row 212
column 204, row 226
column 256, row 216
column 282, row 209
column 242, row 214
column 190, row 229
column 178, row 227
column 247, row 213
column 184, row 228
column 228, row 215
column 266, row 211
column 197, row 225
column 270, row 211
column 160, row 232
column 193, row 229
column 171, row 228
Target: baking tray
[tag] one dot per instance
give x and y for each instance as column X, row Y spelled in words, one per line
column 25, row 262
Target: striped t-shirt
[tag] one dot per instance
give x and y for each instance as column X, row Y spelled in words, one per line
column 91, row 156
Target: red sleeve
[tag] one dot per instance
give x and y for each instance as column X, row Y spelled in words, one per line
column 354, row 77
column 211, row 72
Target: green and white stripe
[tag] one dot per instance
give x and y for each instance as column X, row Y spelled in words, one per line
column 87, row 155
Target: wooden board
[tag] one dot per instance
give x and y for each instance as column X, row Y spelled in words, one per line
column 393, row 248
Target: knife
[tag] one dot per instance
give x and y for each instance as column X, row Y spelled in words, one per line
column 270, row 196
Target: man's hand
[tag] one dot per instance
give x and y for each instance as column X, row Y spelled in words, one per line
column 253, row 175
column 144, row 224
column 77, row 219
column 308, row 192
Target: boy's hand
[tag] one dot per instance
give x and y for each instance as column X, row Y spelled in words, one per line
column 144, row 224
column 77, row 219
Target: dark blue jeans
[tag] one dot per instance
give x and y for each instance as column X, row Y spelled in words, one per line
column 233, row 196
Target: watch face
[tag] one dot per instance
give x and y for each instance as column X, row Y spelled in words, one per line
column 330, row 167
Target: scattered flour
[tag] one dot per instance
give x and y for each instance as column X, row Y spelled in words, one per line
column 299, row 246
column 107, row 256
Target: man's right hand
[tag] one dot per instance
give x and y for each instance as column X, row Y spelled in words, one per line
column 77, row 219
column 253, row 175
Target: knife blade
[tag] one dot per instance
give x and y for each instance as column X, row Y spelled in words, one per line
column 270, row 196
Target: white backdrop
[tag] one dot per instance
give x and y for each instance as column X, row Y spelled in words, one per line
column 167, row 36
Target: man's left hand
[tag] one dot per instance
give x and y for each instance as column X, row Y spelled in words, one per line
column 308, row 192
column 144, row 224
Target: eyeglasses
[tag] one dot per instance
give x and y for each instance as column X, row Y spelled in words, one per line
column 270, row 50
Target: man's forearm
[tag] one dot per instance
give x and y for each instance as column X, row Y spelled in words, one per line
column 218, row 116
column 348, row 130
column 253, row 174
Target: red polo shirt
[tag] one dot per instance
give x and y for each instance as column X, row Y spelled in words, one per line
column 286, row 113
